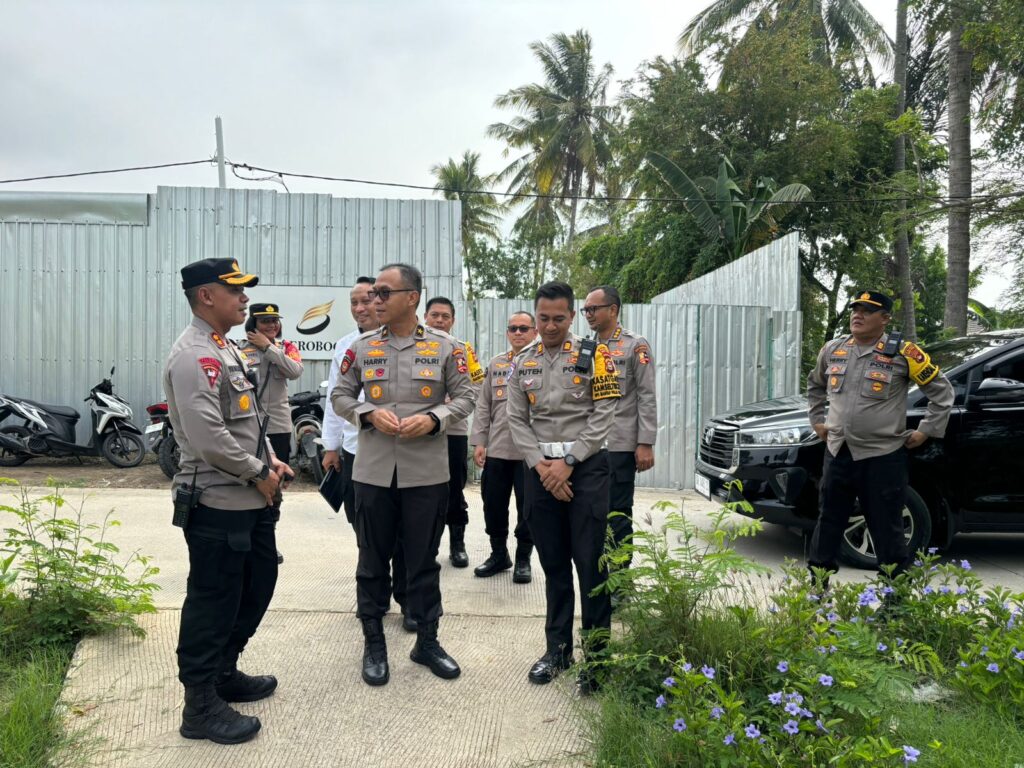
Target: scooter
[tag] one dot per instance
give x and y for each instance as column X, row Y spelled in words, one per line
column 307, row 426
column 49, row 430
column 160, row 439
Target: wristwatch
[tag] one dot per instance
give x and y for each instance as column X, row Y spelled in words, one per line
column 570, row 460
column 437, row 423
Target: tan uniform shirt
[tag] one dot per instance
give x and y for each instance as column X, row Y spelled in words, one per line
column 212, row 408
column 866, row 393
column 409, row 376
column 548, row 401
column 460, row 428
column 636, row 418
column 490, row 420
column 276, row 364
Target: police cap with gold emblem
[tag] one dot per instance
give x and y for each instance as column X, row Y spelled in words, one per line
column 223, row 271
column 265, row 310
column 872, row 300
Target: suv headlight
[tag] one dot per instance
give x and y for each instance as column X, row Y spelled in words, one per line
column 778, row 436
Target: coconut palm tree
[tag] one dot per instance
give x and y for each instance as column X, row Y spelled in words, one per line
column 564, row 124
column 844, row 28
column 481, row 211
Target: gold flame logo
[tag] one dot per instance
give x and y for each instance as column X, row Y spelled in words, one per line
column 314, row 312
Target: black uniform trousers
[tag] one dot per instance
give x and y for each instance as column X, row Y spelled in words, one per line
column 348, row 461
column 567, row 533
column 622, row 469
column 232, row 573
column 281, row 442
column 500, row 479
column 385, row 517
column 458, row 509
column 880, row 484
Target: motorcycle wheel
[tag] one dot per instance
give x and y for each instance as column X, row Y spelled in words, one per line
column 124, row 449
column 9, row 458
column 169, row 456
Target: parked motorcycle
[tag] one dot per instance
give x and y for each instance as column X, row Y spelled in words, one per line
column 160, row 439
column 49, row 430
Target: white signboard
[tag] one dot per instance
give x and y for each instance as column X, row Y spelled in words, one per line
column 314, row 318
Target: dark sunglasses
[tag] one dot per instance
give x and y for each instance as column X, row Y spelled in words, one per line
column 385, row 293
column 519, row 328
column 594, row 307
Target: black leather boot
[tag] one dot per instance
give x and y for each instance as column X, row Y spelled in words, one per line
column 457, row 546
column 234, row 685
column 523, row 574
column 408, row 622
column 548, row 667
column 497, row 562
column 429, row 652
column 375, row 653
column 207, row 716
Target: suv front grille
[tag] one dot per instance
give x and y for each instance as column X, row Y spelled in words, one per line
column 717, row 441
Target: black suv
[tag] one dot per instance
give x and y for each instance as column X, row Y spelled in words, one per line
column 970, row 481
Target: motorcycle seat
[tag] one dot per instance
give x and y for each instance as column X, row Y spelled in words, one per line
column 304, row 398
column 56, row 410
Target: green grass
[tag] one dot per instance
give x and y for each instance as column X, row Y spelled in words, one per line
column 972, row 734
column 31, row 733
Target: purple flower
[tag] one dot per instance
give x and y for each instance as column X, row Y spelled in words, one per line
column 887, row 590
column 929, row 589
column 882, row 647
column 917, row 563
column 962, row 664
column 821, row 649
column 961, row 590
column 825, row 680
column 669, row 682
column 963, row 608
column 729, row 740
column 806, row 713
column 813, row 598
column 984, row 650
column 910, row 754
column 1019, row 655
column 867, row 597
column 752, row 731
column 679, row 726
column 932, row 550
column 993, row 667
column 795, row 697
column 659, row 702
column 775, row 698
column 716, row 713
column 783, row 667
column 708, row 672
column 821, row 725
column 773, row 608
column 832, row 649
column 687, row 667
column 791, row 727
column 966, row 566
column 832, row 616
column 900, row 642
column 944, row 589
column 792, row 708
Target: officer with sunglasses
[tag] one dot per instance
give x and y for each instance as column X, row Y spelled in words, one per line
column 863, row 378
column 416, row 381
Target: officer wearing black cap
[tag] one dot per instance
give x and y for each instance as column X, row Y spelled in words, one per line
column 223, row 494
column 864, row 378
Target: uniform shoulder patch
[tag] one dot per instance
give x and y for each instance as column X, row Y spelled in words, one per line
column 211, row 368
column 920, row 367
column 476, row 371
column 347, row 360
column 643, row 354
column 218, row 340
column 292, row 352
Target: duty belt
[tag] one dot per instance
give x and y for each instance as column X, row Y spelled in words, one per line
column 556, row 450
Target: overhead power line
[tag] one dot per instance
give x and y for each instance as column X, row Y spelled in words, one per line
column 111, row 170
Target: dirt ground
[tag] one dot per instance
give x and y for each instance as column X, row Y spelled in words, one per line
column 99, row 473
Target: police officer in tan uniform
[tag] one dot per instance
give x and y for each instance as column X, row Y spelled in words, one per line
column 440, row 315
column 631, row 442
column 502, row 463
column 276, row 361
column 561, row 405
column 864, row 379
column 224, row 491
column 407, row 372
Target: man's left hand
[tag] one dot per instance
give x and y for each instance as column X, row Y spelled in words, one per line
column 916, row 439
column 415, row 426
column 283, row 471
column 558, row 474
column 644, row 457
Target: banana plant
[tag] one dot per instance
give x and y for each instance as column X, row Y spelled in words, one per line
column 722, row 210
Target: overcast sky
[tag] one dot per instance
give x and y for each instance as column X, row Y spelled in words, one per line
column 378, row 90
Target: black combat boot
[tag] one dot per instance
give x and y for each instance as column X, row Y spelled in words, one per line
column 497, row 562
column 429, row 652
column 548, row 666
column 234, row 685
column 523, row 574
column 375, row 653
column 207, row 716
column 457, row 546
column 408, row 622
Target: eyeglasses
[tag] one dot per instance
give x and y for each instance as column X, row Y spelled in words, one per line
column 594, row 307
column 519, row 328
column 385, row 293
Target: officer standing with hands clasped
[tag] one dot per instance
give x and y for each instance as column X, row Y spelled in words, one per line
column 502, row 463
column 224, row 497
column 407, row 372
column 561, row 405
column 864, row 377
column 631, row 442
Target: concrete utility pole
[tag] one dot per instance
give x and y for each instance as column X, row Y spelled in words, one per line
column 220, row 154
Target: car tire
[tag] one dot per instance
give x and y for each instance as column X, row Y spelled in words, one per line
column 858, row 549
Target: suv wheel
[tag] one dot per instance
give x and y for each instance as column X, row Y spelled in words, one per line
column 858, row 548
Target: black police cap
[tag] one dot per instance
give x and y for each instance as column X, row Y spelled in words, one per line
column 223, row 271
column 872, row 300
column 265, row 310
